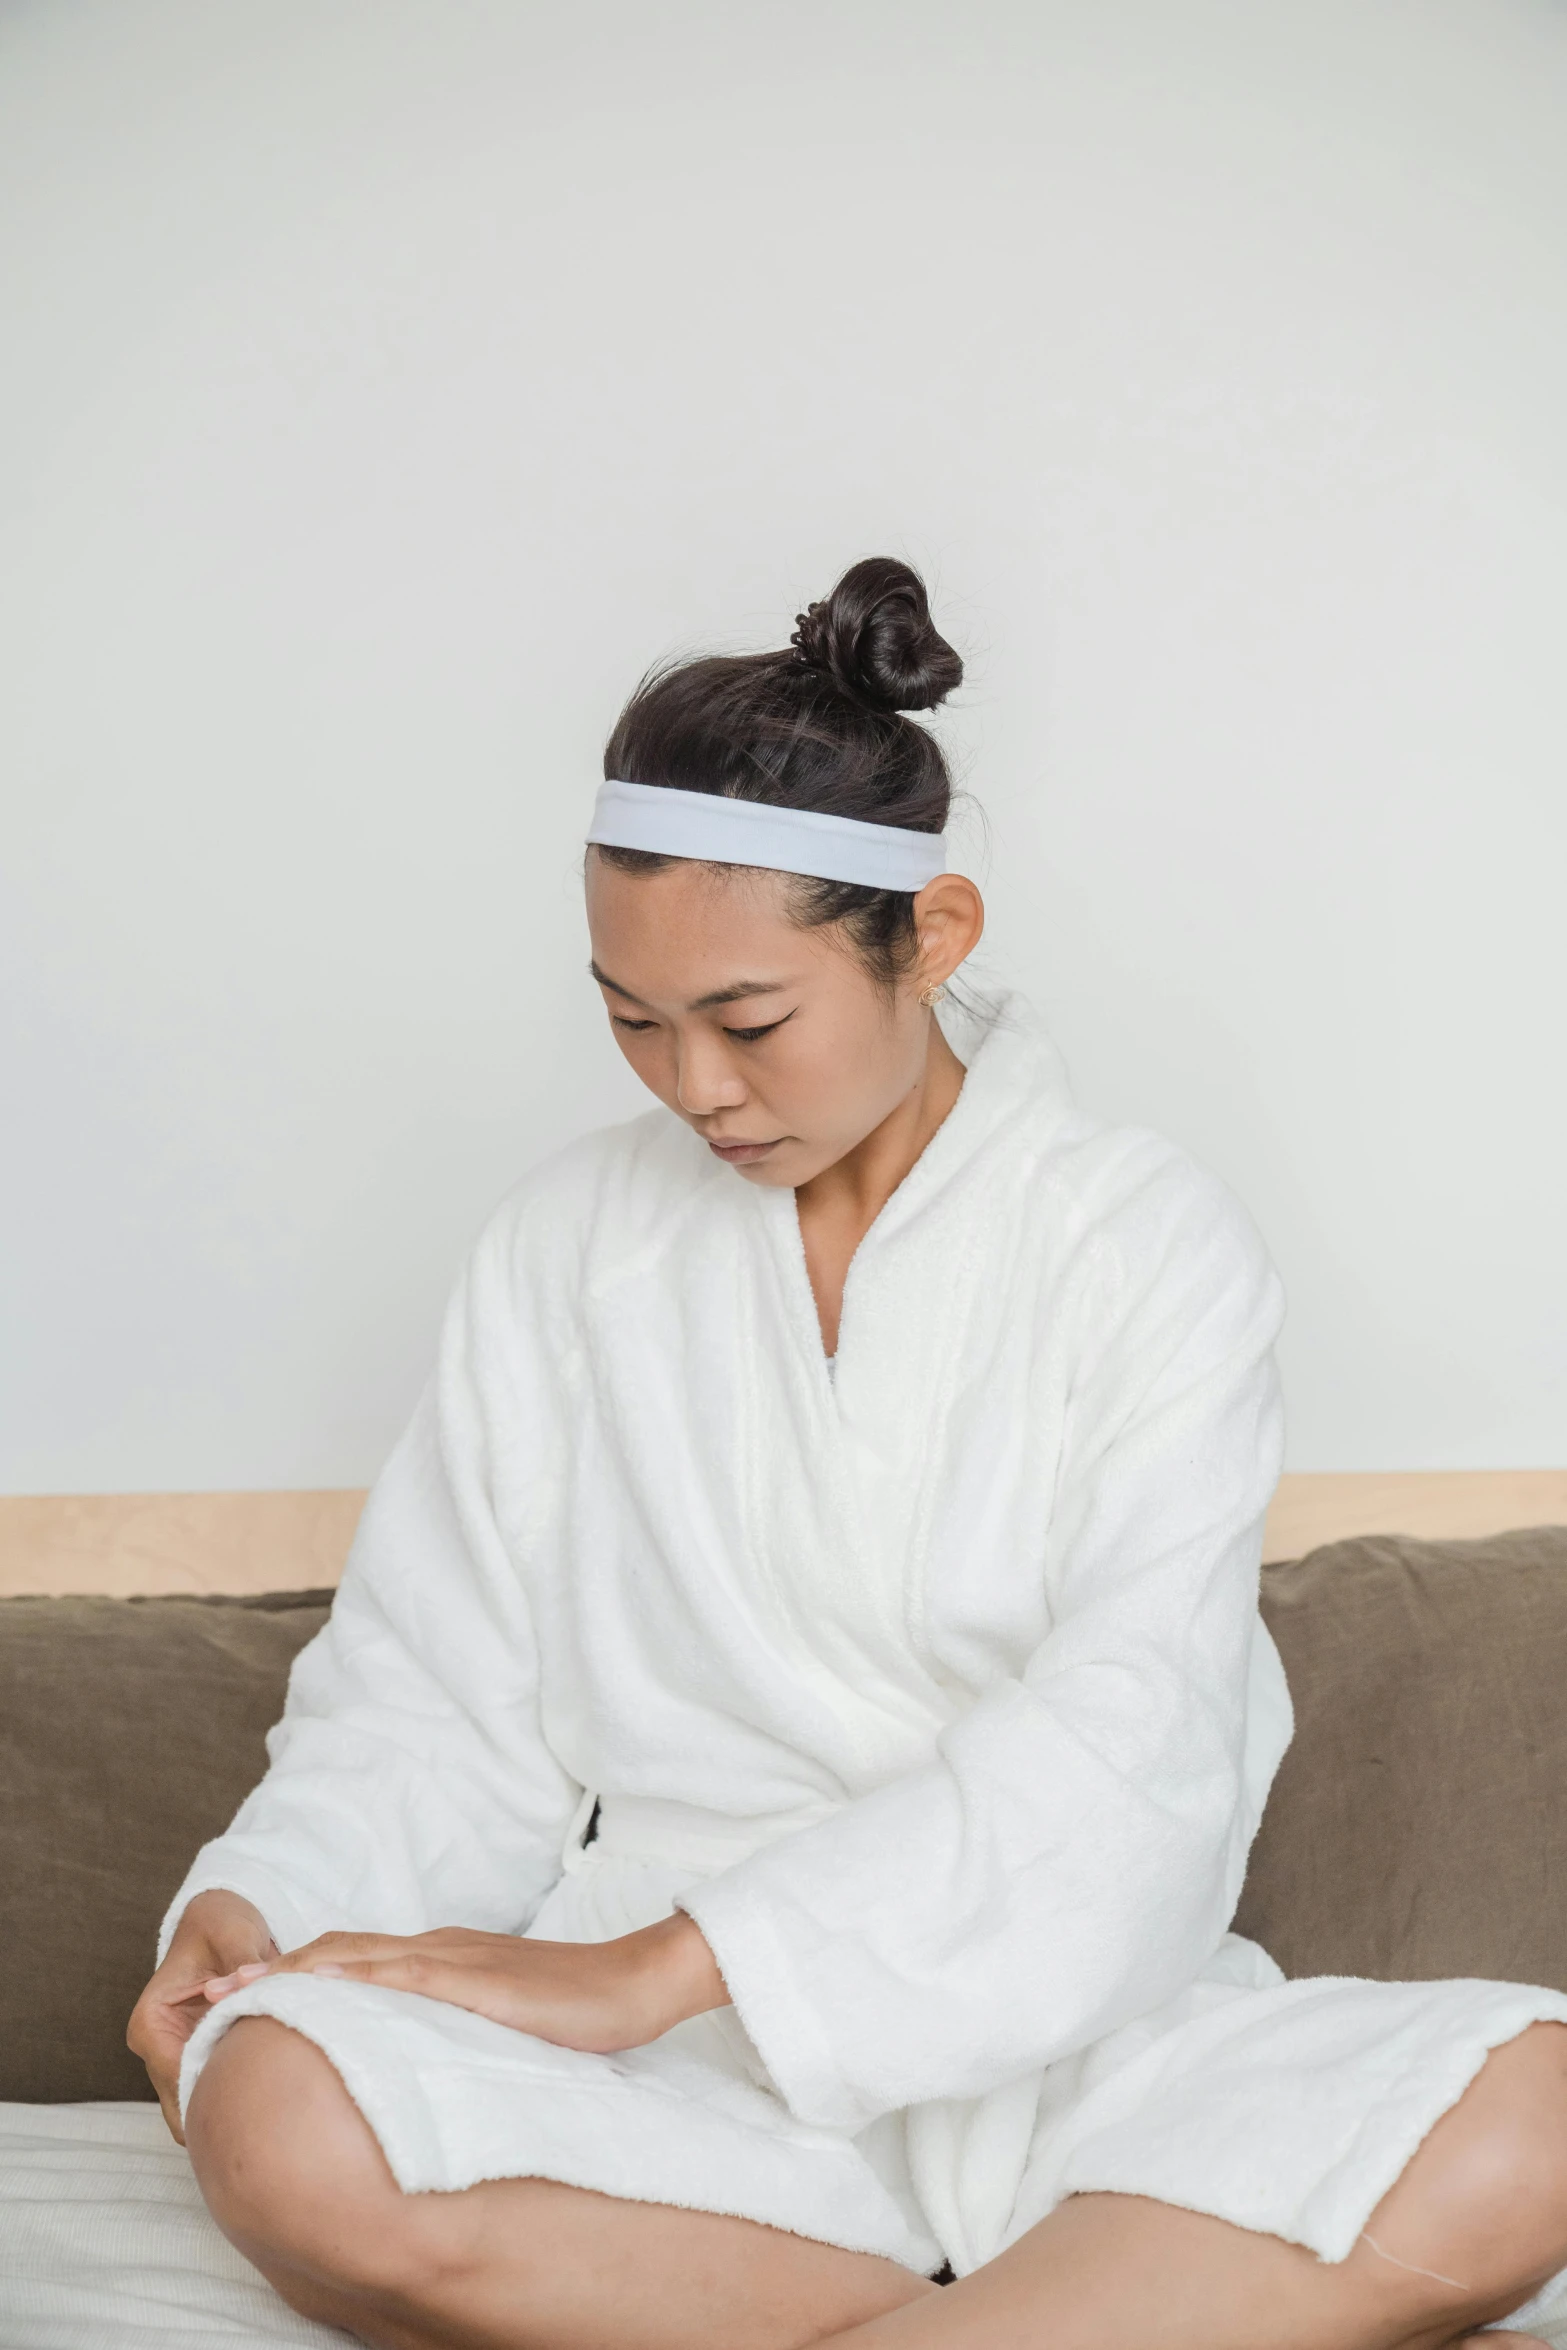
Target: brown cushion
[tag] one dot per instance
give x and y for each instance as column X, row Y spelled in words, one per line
column 1415, row 1830
column 130, row 1731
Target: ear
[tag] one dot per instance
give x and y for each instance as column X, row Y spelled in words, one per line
column 949, row 919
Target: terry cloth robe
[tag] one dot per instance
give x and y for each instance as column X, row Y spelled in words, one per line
column 935, row 1691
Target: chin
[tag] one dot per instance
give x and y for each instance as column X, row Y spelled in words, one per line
column 769, row 1177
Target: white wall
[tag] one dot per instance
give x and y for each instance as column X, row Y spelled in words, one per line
column 387, row 381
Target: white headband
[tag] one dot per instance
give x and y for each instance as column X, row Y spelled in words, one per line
column 721, row 831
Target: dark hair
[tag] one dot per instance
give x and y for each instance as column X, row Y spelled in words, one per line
column 814, row 726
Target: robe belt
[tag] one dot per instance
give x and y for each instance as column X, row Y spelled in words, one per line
column 681, row 1835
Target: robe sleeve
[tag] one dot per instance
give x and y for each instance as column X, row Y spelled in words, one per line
column 410, row 1785
column 1071, row 1854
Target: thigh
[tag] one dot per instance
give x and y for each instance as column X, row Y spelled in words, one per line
column 1471, row 2229
column 296, row 2179
column 1120, row 2272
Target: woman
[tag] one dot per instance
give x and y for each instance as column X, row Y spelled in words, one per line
column 759, row 1829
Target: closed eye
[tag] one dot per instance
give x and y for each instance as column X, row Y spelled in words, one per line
column 753, row 1035
column 639, row 1027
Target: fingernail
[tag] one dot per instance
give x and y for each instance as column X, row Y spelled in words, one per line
column 249, row 1972
column 326, row 1970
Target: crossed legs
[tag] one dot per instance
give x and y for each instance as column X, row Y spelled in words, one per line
column 297, row 2181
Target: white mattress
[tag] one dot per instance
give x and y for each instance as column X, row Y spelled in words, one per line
column 106, row 2245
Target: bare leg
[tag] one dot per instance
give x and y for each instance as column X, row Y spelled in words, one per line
column 1475, row 2225
column 295, row 2178
column 1472, row 2230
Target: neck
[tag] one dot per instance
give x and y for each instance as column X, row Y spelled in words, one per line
column 856, row 1188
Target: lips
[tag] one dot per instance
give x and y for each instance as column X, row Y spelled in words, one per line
column 740, row 1154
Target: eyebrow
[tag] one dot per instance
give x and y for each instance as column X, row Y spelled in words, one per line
column 703, row 1003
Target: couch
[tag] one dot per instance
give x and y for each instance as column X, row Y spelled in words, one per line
column 1411, row 1834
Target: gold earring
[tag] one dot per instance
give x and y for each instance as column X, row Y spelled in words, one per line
column 929, row 996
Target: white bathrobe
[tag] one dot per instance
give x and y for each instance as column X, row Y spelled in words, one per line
column 934, row 1689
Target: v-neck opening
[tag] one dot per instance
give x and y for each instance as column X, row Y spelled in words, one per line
column 915, row 1180
column 830, row 1359
column 948, row 1146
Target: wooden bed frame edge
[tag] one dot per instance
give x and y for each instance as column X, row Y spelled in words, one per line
column 125, row 1544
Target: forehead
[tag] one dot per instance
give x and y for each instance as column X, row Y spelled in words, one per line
column 693, row 927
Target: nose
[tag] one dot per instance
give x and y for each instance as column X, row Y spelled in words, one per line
column 707, row 1081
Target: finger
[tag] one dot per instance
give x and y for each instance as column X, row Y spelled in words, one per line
column 169, row 2102
column 162, row 2057
column 483, row 1992
column 336, row 1950
column 406, row 1970
column 219, row 1986
column 457, row 1985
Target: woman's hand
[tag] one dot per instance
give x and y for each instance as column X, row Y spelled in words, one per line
column 597, row 1996
column 218, row 1932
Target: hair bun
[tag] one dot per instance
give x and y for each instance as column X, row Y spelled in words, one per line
column 874, row 636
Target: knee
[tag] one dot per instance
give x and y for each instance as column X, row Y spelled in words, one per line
column 291, row 2171
column 1509, row 2170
